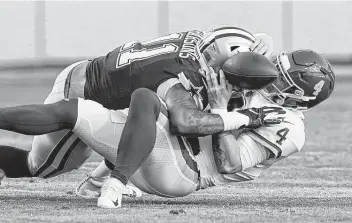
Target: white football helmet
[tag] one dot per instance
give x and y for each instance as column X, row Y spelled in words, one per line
column 221, row 43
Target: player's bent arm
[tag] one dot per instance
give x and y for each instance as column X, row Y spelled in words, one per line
column 226, row 154
column 186, row 119
column 233, row 154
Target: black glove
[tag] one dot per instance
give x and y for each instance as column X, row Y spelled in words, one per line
column 257, row 116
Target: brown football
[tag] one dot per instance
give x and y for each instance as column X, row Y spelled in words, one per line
column 250, row 71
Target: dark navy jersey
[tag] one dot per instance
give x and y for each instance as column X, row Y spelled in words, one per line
column 111, row 79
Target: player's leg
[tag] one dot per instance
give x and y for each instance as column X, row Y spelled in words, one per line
column 143, row 113
column 51, row 153
column 168, row 170
column 136, row 143
column 100, row 129
column 32, row 120
column 90, row 185
column 93, row 124
column 13, row 161
column 38, row 119
column 138, row 136
column 21, row 164
column 62, row 151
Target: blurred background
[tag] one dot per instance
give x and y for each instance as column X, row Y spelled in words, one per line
column 39, row 38
column 80, row 29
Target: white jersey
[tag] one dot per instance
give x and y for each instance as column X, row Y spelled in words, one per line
column 170, row 169
column 263, row 146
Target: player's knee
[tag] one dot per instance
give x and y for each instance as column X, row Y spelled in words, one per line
column 66, row 111
column 145, row 100
column 145, row 97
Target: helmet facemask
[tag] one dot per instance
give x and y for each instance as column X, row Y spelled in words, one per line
column 212, row 56
column 215, row 50
column 284, row 91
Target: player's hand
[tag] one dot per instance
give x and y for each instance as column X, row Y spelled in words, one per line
column 263, row 45
column 258, row 116
column 219, row 94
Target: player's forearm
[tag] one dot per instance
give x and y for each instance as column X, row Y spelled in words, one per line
column 186, row 118
column 226, row 153
column 194, row 122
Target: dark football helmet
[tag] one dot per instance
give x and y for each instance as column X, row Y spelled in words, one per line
column 306, row 79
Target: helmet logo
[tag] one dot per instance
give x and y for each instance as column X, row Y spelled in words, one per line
column 318, row 87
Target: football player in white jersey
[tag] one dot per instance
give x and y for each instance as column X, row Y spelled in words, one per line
column 306, row 80
column 173, row 169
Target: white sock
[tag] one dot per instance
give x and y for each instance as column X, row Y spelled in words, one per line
column 101, row 171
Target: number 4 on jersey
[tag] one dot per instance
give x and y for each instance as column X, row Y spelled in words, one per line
column 282, row 133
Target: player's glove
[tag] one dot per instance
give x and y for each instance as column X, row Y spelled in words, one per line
column 257, row 116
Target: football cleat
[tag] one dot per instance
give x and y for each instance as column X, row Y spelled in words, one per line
column 2, row 175
column 90, row 187
column 133, row 191
column 111, row 193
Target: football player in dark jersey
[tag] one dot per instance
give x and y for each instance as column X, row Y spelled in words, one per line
column 173, row 66
column 128, row 143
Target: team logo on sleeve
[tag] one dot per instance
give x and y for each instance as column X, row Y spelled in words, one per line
column 195, row 91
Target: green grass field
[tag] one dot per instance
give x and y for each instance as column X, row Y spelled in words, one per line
column 313, row 185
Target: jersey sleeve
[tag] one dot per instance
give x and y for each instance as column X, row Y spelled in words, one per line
column 251, row 151
column 282, row 139
column 251, row 173
column 192, row 81
column 255, row 158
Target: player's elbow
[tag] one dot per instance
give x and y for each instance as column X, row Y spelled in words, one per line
column 179, row 126
column 179, row 122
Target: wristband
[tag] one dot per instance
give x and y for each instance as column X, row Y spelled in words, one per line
column 218, row 111
column 233, row 120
